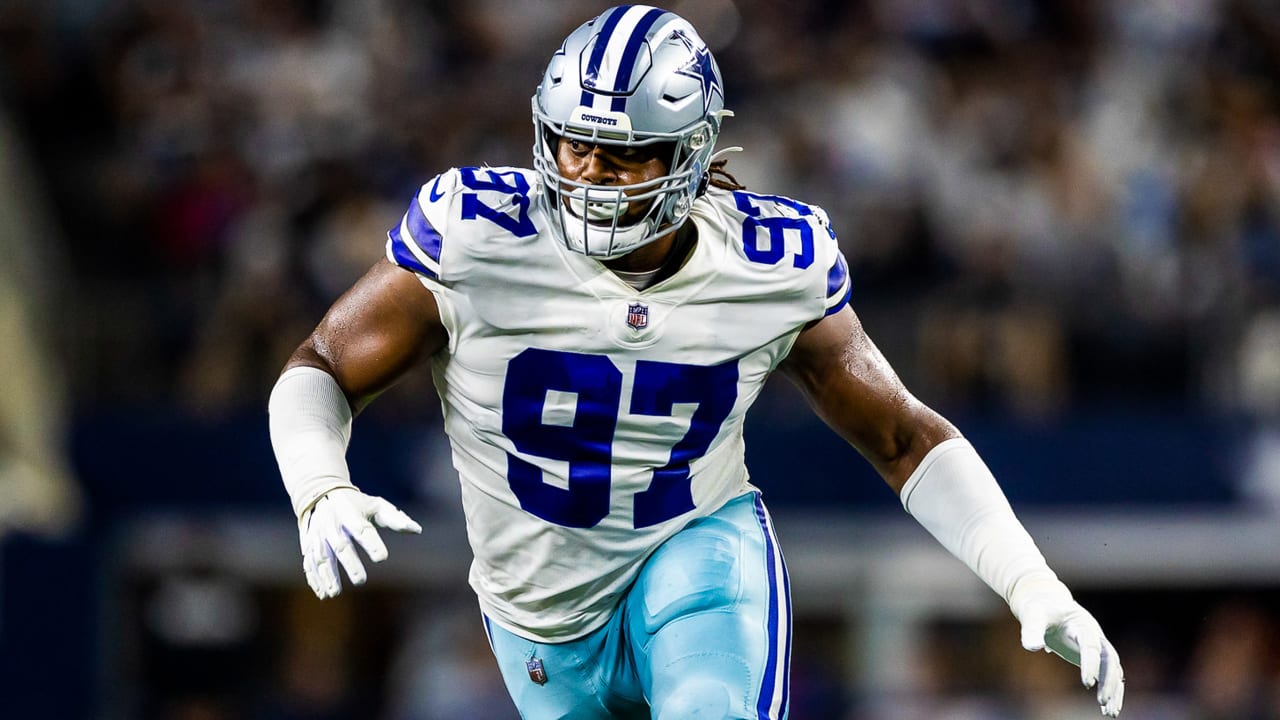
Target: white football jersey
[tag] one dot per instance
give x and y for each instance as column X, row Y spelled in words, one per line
column 589, row 421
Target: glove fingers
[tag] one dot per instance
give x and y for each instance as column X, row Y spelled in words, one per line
column 1068, row 630
column 330, row 532
column 326, row 567
column 344, row 550
column 1111, row 681
column 1088, row 640
column 309, row 570
column 371, row 541
column 308, row 560
column 353, row 524
column 308, row 563
column 393, row 518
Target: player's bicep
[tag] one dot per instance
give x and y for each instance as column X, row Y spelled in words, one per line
column 387, row 323
column 854, row 390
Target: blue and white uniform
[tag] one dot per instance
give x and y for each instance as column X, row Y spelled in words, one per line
column 591, row 422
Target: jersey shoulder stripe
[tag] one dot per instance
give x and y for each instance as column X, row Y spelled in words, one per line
column 415, row 243
column 839, row 286
column 462, row 219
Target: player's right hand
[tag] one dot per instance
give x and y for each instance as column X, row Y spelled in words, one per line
column 331, row 529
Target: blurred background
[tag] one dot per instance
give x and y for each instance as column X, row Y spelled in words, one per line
column 1063, row 224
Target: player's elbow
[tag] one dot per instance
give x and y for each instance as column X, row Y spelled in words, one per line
column 902, row 444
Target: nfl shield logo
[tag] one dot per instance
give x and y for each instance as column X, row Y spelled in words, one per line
column 638, row 316
column 537, row 673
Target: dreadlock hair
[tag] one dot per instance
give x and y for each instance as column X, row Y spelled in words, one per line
column 721, row 178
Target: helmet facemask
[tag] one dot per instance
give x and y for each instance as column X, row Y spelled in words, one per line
column 670, row 97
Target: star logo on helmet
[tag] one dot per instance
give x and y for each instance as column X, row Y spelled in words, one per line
column 699, row 67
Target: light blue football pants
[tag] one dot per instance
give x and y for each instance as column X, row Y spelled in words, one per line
column 704, row 632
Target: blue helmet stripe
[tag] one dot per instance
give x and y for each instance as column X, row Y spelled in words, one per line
column 592, row 71
column 629, row 53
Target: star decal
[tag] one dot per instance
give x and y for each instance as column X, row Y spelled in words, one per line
column 700, row 68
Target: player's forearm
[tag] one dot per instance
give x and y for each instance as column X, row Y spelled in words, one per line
column 310, row 423
column 956, row 498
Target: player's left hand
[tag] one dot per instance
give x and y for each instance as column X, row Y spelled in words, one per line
column 330, row 531
column 1054, row 622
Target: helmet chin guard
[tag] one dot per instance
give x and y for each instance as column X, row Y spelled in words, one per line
column 635, row 76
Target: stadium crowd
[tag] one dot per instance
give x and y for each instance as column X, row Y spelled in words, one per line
column 1067, row 201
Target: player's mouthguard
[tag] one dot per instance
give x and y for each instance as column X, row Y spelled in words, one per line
column 598, row 205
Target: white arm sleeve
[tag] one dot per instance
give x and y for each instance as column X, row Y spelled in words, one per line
column 956, row 498
column 310, row 424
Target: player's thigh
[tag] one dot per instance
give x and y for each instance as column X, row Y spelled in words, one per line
column 710, row 617
column 583, row 679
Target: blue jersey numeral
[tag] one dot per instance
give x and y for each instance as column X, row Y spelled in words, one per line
column 508, row 182
column 659, row 386
column 587, row 444
column 776, row 226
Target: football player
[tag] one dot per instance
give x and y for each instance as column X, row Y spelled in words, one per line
column 597, row 328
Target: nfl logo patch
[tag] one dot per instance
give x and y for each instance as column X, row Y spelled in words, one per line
column 638, row 316
column 537, row 673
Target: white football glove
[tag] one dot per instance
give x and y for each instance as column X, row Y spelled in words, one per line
column 331, row 529
column 1054, row 622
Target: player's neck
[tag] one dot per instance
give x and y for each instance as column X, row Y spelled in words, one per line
column 665, row 255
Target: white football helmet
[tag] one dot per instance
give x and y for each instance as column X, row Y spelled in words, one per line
column 634, row 76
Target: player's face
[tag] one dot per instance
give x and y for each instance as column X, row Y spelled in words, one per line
column 612, row 165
